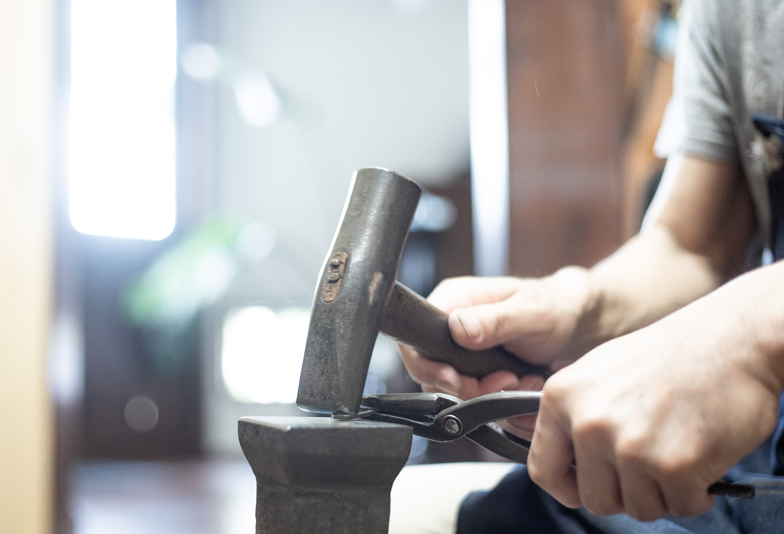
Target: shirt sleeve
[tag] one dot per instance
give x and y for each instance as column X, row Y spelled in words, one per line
column 698, row 120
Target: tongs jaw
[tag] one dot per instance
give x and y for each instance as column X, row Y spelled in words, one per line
column 441, row 417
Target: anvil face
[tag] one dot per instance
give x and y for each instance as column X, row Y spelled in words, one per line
column 314, row 474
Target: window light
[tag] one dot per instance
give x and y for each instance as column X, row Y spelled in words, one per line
column 122, row 135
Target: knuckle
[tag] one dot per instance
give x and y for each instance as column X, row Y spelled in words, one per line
column 631, row 451
column 492, row 326
column 690, row 508
column 447, row 291
column 646, row 513
column 408, row 355
column 603, row 506
column 536, row 303
column 675, row 467
column 555, row 388
column 449, row 283
column 591, row 429
column 538, row 475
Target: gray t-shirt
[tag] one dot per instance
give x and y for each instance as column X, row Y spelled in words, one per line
column 729, row 65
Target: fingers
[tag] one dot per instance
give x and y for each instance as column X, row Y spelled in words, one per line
column 470, row 291
column 550, row 460
column 523, row 383
column 622, row 464
column 684, row 500
column 530, row 323
column 437, row 377
column 641, row 496
column 498, row 381
column 598, row 485
column 428, row 372
column 485, row 312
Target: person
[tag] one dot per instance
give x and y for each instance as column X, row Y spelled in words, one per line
column 669, row 354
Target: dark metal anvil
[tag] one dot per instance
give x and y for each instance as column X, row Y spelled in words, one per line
column 318, row 475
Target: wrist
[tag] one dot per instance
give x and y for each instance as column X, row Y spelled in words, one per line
column 584, row 302
column 763, row 293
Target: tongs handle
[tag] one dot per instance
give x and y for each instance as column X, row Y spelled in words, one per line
column 410, row 319
column 503, row 443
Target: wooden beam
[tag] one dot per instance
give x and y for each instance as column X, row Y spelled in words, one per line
column 26, row 50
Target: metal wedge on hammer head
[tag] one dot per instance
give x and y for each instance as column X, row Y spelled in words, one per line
column 357, row 297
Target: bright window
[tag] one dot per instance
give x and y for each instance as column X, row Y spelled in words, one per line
column 122, row 136
column 262, row 353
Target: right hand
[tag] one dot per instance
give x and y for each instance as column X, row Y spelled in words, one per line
column 536, row 319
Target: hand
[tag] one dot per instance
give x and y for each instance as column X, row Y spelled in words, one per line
column 645, row 423
column 535, row 319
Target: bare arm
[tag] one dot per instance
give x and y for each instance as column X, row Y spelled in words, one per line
column 696, row 242
column 652, row 417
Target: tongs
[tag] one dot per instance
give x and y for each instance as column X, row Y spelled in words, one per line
column 441, row 417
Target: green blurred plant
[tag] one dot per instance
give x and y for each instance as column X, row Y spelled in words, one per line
column 168, row 298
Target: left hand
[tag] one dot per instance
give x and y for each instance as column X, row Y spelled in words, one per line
column 643, row 424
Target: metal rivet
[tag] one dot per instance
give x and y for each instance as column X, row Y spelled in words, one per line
column 333, row 277
column 452, row 425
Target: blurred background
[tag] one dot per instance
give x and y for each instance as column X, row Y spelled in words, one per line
column 172, row 173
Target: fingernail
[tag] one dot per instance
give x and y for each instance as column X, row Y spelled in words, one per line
column 469, row 322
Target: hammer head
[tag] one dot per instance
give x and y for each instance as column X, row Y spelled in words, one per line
column 356, row 281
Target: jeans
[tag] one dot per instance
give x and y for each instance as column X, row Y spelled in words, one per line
column 517, row 505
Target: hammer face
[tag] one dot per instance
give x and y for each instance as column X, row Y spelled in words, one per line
column 356, row 280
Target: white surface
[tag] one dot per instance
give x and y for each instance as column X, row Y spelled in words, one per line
column 426, row 498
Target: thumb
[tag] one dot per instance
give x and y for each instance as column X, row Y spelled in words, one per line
column 511, row 320
column 487, row 325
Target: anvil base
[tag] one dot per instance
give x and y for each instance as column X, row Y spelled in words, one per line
column 316, row 475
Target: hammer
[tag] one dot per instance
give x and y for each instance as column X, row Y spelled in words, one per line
column 357, row 297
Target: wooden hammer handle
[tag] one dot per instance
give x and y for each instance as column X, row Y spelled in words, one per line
column 410, row 319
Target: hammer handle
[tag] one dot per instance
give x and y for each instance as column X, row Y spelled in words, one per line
column 410, row 319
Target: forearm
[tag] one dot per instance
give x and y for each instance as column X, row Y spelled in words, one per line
column 698, row 240
column 753, row 307
column 716, row 367
column 649, row 277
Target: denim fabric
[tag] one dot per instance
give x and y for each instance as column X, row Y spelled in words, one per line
column 764, row 512
column 777, row 451
column 519, row 506
column 776, row 196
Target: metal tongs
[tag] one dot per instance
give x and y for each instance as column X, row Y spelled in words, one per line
column 441, row 417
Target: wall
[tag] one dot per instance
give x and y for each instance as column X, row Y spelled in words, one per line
column 26, row 30
column 380, row 83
